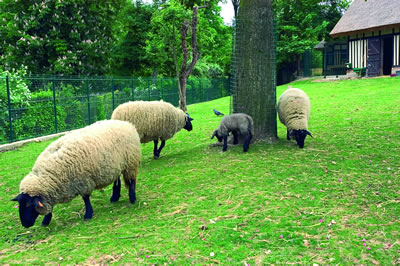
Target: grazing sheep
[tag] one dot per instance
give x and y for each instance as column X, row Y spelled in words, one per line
column 153, row 120
column 237, row 124
column 293, row 111
column 78, row 163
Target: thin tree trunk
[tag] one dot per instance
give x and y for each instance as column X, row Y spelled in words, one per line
column 182, row 94
column 186, row 70
column 255, row 70
column 235, row 4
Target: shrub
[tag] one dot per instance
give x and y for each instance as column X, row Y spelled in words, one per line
column 38, row 119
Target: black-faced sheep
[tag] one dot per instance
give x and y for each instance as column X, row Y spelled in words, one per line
column 154, row 120
column 294, row 111
column 78, row 163
column 237, row 124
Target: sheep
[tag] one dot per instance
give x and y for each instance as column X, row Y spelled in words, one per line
column 237, row 124
column 78, row 163
column 294, row 111
column 154, row 120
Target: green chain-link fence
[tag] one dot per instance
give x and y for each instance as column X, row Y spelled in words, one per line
column 57, row 104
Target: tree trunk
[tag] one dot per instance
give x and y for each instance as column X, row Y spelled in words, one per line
column 186, row 69
column 255, row 69
column 182, row 94
column 235, row 4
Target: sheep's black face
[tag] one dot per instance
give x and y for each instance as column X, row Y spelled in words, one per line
column 300, row 136
column 216, row 134
column 188, row 126
column 27, row 209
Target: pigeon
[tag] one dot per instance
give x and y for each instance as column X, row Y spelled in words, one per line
column 217, row 112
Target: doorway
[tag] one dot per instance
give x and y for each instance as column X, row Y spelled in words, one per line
column 374, row 57
column 387, row 56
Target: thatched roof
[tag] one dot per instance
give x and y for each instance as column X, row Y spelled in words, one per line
column 368, row 15
column 320, row 46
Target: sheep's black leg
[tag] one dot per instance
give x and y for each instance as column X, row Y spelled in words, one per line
column 235, row 138
column 161, row 147
column 225, row 147
column 116, row 191
column 132, row 188
column 47, row 219
column 155, row 153
column 246, row 143
column 287, row 135
column 89, row 209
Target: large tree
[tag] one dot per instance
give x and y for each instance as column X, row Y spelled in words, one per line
column 254, row 79
column 65, row 37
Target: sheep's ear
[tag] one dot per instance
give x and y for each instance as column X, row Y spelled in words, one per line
column 38, row 202
column 16, row 198
column 308, row 133
column 188, row 116
column 214, row 134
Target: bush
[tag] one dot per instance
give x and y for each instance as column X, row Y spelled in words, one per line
column 38, row 119
column 67, row 98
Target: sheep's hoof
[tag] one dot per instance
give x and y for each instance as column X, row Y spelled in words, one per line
column 87, row 217
column 156, row 157
column 114, row 198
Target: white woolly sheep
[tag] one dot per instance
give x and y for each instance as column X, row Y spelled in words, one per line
column 153, row 120
column 237, row 124
column 78, row 163
column 294, row 111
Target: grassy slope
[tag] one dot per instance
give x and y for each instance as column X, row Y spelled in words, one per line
column 275, row 204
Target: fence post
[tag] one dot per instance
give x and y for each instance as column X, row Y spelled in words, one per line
column 88, row 100
column 132, row 90
column 112, row 94
column 9, row 110
column 148, row 88
column 193, row 92
column 207, row 92
column 161, row 89
column 54, row 106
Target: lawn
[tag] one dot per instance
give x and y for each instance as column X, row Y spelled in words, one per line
column 334, row 202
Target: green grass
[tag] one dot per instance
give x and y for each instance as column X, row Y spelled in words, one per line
column 275, row 204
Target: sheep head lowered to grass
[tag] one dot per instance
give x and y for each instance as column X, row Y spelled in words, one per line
column 294, row 111
column 237, row 124
column 154, row 121
column 78, row 163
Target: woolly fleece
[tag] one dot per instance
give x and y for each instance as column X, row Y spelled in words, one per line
column 236, row 122
column 294, row 109
column 82, row 161
column 153, row 119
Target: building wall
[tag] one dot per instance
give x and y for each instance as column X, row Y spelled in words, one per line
column 358, row 53
column 358, row 47
column 396, row 50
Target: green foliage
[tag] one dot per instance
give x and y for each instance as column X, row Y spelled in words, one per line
column 19, row 91
column 100, row 108
column 66, row 98
column 277, row 204
column 65, row 37
column 301, row 24
column 213, row 37
column 299, row 28
column 39, row 118
column 19, row 96
column 129, row 54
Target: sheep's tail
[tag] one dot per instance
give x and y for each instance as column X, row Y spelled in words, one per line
column 251, row 126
